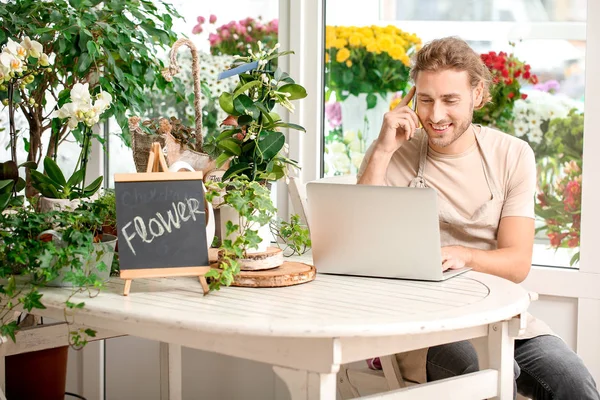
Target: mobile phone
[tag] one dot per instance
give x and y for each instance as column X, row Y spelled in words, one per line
column 414, row 108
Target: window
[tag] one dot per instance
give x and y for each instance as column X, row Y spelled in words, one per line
column 547, row 35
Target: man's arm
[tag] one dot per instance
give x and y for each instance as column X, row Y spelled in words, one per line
column 512, row 259
column 398, row 126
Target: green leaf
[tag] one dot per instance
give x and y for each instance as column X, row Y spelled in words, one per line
column 236, row 169
column 231, row 146
column 270, row 145
column 226, row 103
column 91, row 48
column 371, row 101
column 92, row 187
column 84, row 62
column 38, row 180
column 290, row 125
column 53, row 171
column 76, row 178
column 246, row 87
column 222, row 159
column 6, row 183
column 244, row 105
column 296, row 91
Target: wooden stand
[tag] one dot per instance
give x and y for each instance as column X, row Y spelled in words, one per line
column 156, row 163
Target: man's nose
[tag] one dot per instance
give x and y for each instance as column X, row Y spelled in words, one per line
column 438, row 113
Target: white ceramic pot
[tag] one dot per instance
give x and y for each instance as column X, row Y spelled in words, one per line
column 46, row 204
column 103, row 252
column 228, row 213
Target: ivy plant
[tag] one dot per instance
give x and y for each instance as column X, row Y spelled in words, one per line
column 292, row 237
column 253, row 203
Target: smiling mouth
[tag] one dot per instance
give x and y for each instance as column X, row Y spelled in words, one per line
column 437, row 128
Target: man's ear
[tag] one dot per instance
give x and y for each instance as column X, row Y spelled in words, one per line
column 478, row 94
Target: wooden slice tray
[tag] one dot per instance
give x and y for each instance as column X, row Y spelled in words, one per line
column 288, row 274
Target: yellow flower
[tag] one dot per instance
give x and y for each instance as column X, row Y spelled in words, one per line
column 340, row 43
column 355, row 40
column 342, row 55
column 348, row 63
column 395, row 102
column 397, row 52
column 385, row 43
column 373, row 47
column 405, row 60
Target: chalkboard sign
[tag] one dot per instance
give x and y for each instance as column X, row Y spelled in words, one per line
column 161, row 218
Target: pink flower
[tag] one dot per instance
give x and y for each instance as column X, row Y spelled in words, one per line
column 197, row 29
column 248, row 39
column 214, row 39
column 201, row 19
column 225, row 33
column 212, row 19
column 333, row 113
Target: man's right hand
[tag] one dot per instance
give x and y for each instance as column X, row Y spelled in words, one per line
column 399, row 125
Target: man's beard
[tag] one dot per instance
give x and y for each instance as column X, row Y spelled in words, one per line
column 445, row 141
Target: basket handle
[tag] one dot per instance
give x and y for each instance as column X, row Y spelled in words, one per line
column 173, row 69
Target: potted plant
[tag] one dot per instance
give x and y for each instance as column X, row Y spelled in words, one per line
column 83, row 113
column 251, row 141
column 254, row 209
column 110, row 45
column 29, row 260
column 292, row 237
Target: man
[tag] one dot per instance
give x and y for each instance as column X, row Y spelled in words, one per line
column 486, row 183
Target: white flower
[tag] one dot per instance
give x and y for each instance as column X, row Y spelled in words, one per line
column 536, row 135
column 102, row 102
column 189, row 110
column 34, row 48
column 80, row 96
column 171, row 112
column 341, row 163
column 11, row 62
column 355, row 146
column 15, row 49
column 349, row 136
column 66, row 111
column 72, row 124
column 44, row 60
column 357, row 159
column 337, row 147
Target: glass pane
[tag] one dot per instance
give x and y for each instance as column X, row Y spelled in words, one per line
column 484, row 10
column 365, row 77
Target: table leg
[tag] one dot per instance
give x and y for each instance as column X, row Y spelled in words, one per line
column 501, row 348
column 308, row 385
column 170, row 372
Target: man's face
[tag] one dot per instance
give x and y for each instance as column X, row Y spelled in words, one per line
column 445, row 105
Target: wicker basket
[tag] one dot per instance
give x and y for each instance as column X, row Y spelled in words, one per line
column 141, row 143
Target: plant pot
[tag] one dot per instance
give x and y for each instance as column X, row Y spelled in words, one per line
column 103, row 252
column 46, row 204
column 198, row 161
column 141, row 143
column 228, row 213
column 37, row 375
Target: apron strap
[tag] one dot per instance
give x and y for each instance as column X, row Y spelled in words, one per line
column 418, row 181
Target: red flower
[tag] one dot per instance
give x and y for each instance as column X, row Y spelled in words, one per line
column 526, row 75
column 527, row 67
column 505, row 73
column 523, row 96
column 511, row 95
column 517, row 73
column 573, row 242
column 534, row 79
column 508, row 81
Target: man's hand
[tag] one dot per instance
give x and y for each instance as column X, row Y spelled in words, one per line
column 455, row 257
column 399, row 125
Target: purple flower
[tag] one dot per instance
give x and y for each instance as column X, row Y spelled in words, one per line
column 551, row 86
column 333, row 113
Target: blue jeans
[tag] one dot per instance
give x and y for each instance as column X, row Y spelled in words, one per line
column 545, row 368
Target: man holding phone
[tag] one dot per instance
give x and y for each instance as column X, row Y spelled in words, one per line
column 486, row 182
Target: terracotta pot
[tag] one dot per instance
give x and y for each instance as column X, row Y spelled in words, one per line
column 37, row 374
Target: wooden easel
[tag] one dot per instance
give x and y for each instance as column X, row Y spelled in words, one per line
column 156, row 163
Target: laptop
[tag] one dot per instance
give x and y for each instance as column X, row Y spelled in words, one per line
column 376, row 231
